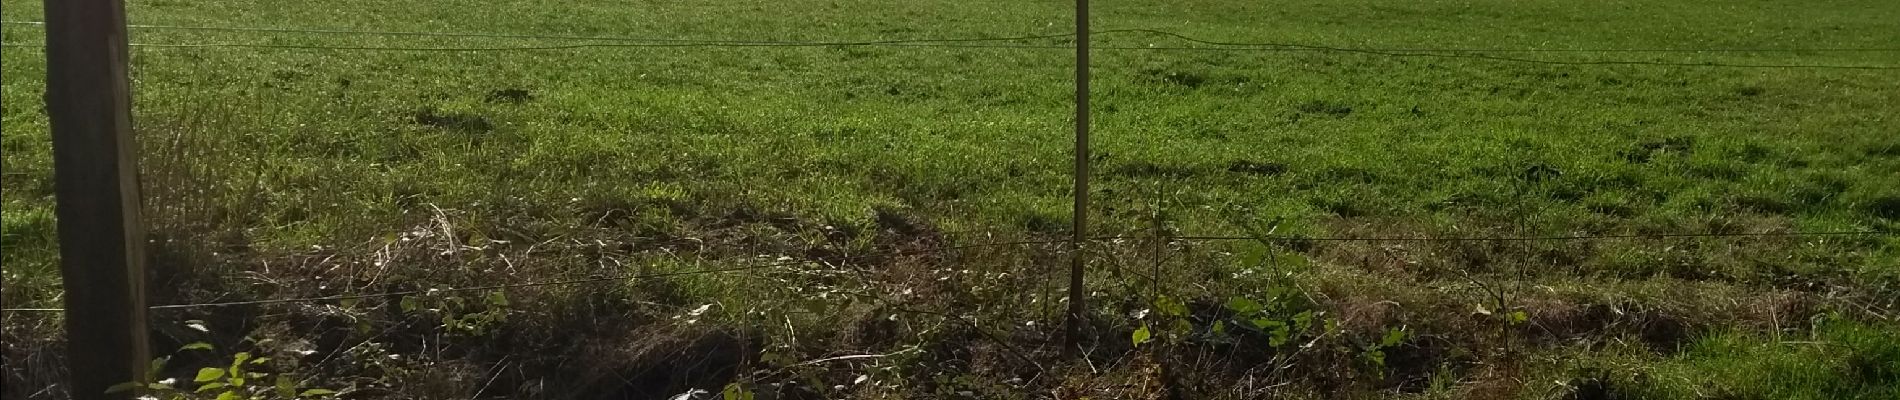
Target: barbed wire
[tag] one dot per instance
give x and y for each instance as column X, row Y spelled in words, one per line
column 596, row 279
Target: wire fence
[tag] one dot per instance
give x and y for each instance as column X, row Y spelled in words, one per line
column 1036, row 42
column 1003, row 42
column 1023, row 42
column 1000, row 42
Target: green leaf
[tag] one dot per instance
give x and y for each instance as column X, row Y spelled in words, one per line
column 496, row 298
column 1392, row 337
column 735, row 392
column 1168, row 306
column 1179, row 327
column 1220, row 327
column 410, row 303
column 1243, row 306
column 260, row 360
column 1377, row 357
column 208, row 374
column 1303, row 320
column 121, row 388
column 1275, row 293
column 196, row 346
column 158, row 364
column 316, row 392
column 347, row 303
column 285, row 387
column 1279, row 336
column 237, row 360
column 1142, row 335
column 237, row 381
column 211, row 386
column 158, row 387
column 229, row 396
column 1264, row 323
column 1518, row 317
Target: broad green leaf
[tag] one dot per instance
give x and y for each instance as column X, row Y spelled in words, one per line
column 1377, row 357
column 1243, row 306
column 1142, row 335
column 735, row 392
column 260, row 360
column 211, row 386
column 1279, row 336
column 410, row 303
column 1220, row 327
column 1264, row 323
column 316, row 392
column 208, row 374
column 1392, row 337
column 1168, row 306
column 285, row 387
column 230, row 395
column 1274, row 294
column 158, row 364
column 237, row 360
column 496, row 298
column 1180, row 327
column 1518, row 317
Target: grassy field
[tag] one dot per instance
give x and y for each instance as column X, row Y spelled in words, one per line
column 290, row 172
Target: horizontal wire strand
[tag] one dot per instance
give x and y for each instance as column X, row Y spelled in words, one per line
column 1289, row 46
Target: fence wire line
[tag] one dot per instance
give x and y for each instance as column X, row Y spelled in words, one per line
column 980, row 46
column 1184, row 37
column 967, row 43
column 981, row 245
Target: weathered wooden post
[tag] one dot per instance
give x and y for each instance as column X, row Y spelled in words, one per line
column 95, row 172
column 1078, row 296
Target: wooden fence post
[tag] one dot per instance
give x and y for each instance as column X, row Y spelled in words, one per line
column 1078, row 295
column 95, row 172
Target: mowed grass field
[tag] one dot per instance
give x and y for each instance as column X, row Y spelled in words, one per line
column 289, row 170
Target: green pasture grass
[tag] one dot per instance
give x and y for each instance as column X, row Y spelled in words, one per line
column 269, row 152
column 1834, row 360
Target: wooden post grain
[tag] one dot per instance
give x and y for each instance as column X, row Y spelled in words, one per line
column 95, row 172
column 1078, row 296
